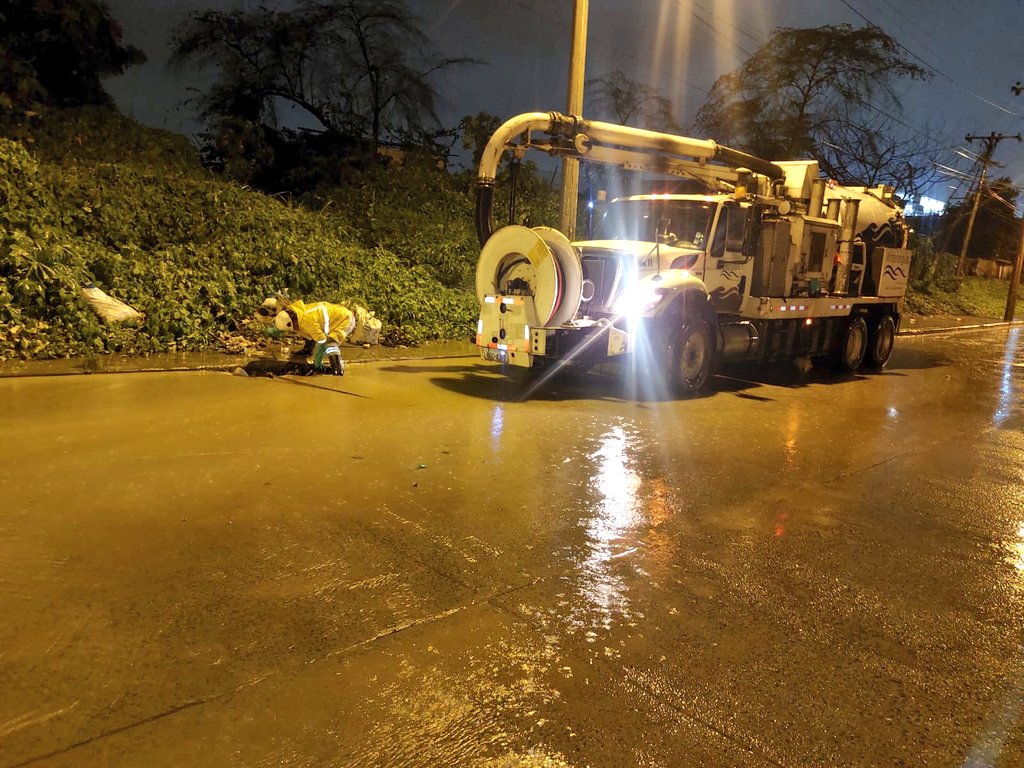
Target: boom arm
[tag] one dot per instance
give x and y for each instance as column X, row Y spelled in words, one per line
column 613, row 144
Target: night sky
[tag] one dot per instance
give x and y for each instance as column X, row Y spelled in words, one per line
column 679, row 46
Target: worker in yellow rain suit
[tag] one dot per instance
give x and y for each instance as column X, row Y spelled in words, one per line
column 327, row 325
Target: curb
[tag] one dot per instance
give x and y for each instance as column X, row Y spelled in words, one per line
column 954, row 328
column 44, row 368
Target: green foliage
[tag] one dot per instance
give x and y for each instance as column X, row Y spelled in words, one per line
column 932, row 271
column 57, row 52
column 537, row 201
column 996, row 231
column 194, row 253
column 425, row 216
column 476, row 131
column 416, row 211
column 936, row 290
column 975, row 296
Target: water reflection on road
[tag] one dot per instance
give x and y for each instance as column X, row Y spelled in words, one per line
column 1006, row 383
column 618, row 512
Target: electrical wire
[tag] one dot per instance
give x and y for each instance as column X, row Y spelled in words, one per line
column 935, row 69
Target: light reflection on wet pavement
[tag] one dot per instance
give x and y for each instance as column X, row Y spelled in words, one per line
column 207, row 570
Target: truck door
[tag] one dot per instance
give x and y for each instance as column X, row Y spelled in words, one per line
column 727, row 273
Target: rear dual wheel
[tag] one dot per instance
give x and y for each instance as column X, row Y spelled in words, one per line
column 880, row 342
column 852, row 346
column 858, row 345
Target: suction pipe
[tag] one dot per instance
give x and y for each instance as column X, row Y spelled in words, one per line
column 610, row 134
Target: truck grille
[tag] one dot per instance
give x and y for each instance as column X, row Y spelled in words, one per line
column 603, row 269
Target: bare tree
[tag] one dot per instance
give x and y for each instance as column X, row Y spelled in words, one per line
column 827, row 93
column 876, row 150
column 619, row 99
column 356, row 67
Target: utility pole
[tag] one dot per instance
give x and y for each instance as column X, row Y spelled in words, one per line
column 991, row 141
column 1011, row 296
column 570, row 165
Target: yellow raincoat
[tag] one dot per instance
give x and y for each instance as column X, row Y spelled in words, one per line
column 322, row 321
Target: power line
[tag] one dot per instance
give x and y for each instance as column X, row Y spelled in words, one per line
column 885, row 114
column 708, row 23
column 546, row 10
column 895, row 9
column 932, row 67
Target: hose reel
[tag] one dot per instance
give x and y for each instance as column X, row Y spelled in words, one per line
column 538, row 262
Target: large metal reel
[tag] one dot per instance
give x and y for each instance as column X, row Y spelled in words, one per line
column 540, row 261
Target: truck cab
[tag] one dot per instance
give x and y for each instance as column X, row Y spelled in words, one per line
column 703, row 234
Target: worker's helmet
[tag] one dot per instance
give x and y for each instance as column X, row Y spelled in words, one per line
column 286, row 321
column 367, row 327
column 267, row 311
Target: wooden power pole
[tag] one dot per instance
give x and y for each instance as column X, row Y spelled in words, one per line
column 1011, row 296
column 991, row 142
column 570, row 165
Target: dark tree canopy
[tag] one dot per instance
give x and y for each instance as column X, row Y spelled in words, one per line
column 59, row 51
column 476, row 132
column 996, row 232
column 616, row 98
column 354, row 67
column 826, row 93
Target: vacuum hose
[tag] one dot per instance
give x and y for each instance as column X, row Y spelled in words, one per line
column 608, row 134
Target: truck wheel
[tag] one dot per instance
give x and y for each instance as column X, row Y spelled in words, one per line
column 853, row 344
column 880, row 342
column 690, row 356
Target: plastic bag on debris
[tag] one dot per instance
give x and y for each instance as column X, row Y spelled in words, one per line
column 107, row 308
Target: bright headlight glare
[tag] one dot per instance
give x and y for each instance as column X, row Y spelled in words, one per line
column 638, row 301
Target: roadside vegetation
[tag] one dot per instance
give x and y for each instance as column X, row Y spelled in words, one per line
column 359, row 207
column 87, row 195
column 936, row 290
column 975, row 296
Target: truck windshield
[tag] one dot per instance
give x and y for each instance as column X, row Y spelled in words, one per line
column 672, row 222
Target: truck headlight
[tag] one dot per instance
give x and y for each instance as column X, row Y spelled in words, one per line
column 639, row 300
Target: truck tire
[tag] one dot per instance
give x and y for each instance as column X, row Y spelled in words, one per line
column 690, row 356
column 852, row 346
column 880, row 342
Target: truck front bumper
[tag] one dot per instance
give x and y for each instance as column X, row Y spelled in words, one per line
column 504, row 334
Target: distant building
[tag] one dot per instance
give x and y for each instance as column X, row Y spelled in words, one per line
column 924, row 215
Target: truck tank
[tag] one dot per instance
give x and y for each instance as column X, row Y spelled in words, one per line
column 879, row 219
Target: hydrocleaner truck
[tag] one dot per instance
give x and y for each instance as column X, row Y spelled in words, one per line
column 773, row 262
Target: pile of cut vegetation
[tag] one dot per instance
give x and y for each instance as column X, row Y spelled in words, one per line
column 91, row 196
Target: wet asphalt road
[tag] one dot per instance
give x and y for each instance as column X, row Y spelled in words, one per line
column 410, row 567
